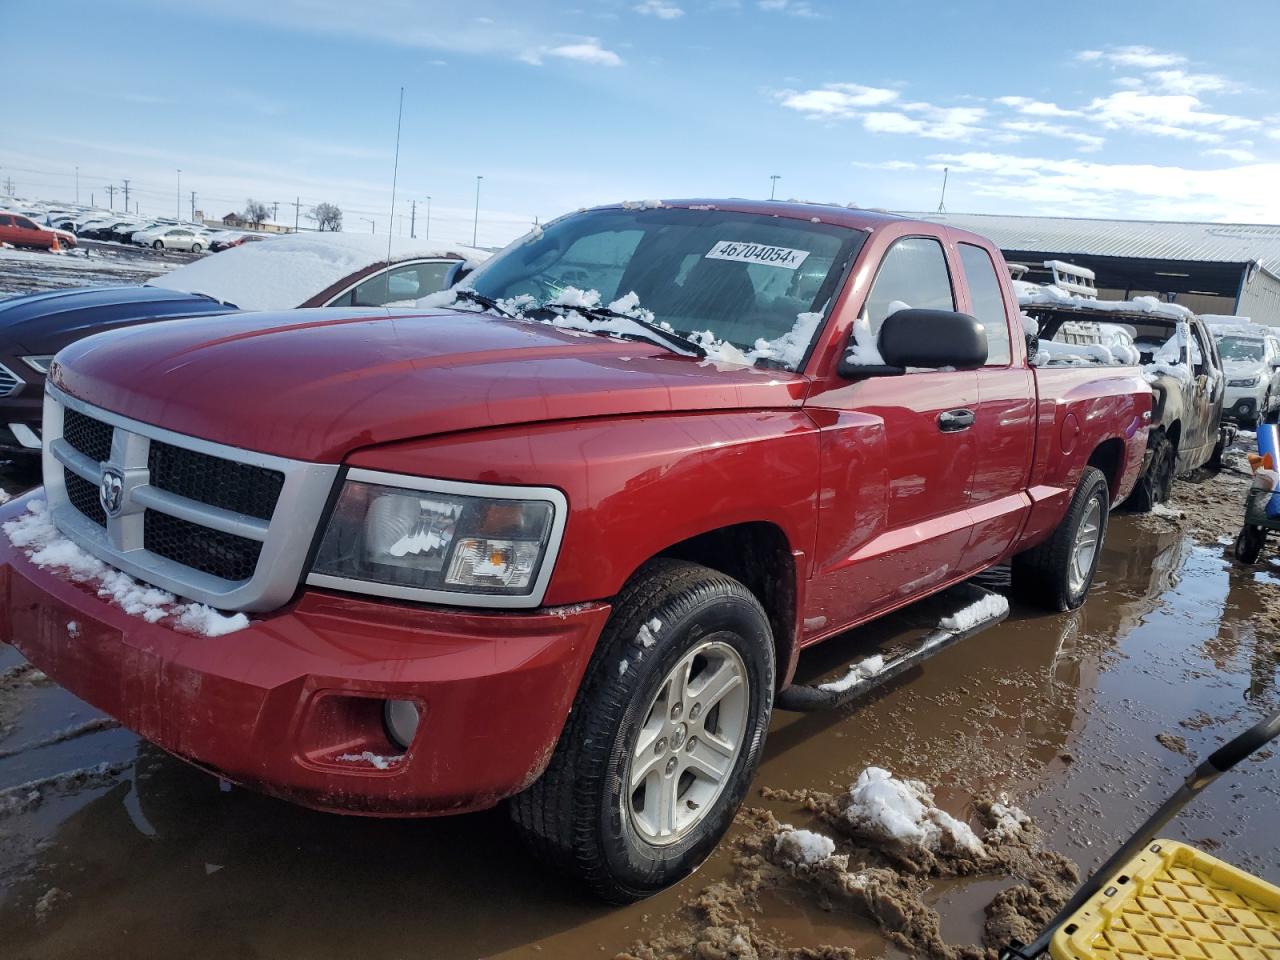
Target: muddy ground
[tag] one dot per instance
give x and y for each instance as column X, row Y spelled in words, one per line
column 1087, row 720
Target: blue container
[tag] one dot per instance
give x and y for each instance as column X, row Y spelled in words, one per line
column 1269, row 442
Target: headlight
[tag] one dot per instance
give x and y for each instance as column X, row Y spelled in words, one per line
column 441, row 541
column 40, row 364
column 1244, row 382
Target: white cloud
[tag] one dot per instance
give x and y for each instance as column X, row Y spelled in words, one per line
column 1237, row 154
column 1036, row 108
column 1087, row 141
column 1087, row 187
column 1135, row 55
column 842, row 100
column 1194, row 84
column 795, row 8
column 1173, row 115
column 587, row 50
column 887, row 165
column 662, row 9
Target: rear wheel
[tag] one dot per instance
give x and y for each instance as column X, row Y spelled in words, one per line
column 1057, row 574
column 664, row 737
column 158, row 245
column 1156, row 481
column 1249, row 544
column 196, row 248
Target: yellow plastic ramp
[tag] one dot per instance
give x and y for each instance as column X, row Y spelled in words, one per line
column 1172, row 901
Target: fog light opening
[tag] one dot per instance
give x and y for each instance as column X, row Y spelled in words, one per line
column 401, row 719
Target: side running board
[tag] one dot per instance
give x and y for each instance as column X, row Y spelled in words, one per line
column 975, row 609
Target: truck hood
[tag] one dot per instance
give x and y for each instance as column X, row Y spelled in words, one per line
column 317, row 384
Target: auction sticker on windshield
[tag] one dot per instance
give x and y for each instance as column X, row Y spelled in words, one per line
column 762, row 253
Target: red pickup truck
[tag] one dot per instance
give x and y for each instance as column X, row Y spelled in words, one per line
column 563, row 540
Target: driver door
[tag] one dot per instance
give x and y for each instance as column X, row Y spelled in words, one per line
column 896, row 473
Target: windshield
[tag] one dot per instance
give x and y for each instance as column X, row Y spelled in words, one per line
column 742, row 278
column 1240, row 348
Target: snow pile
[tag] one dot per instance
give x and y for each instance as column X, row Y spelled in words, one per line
column 884, row 808
column 990, row 606
column 1006, row 822
column 35, row 534
column 864, row 351
column 283, row 272
column 1037, row 294
column 862, row 670
column 802, row 846
column 1069, row 354
column 647, row 635
column 787, row 350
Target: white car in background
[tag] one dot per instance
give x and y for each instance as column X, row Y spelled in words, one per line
column 1251, row 362
column 172, row 238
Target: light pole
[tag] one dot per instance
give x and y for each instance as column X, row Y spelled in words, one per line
column 773, row 183
column 373, row 225
column 179, row 195
column 427, row 235
column 77, row 184
column 475, row 224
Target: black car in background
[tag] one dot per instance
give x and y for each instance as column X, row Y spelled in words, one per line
column 35, row 327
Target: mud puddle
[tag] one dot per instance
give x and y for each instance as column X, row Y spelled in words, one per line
column 1061, row 712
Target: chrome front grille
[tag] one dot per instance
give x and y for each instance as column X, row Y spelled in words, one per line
column 9, row 381
column 213, row 523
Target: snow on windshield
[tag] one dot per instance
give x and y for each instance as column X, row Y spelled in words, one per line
column 625, row 317
column 283, row 272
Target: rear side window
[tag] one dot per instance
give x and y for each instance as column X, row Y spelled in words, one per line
column 6, row 221
column 913, row 274
column 988, row 302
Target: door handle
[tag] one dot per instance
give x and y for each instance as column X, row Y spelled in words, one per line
column 951, row 421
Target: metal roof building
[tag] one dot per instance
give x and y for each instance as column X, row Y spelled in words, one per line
column 1227, row 268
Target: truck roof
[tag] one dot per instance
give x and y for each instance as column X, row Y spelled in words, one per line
column 854, row 217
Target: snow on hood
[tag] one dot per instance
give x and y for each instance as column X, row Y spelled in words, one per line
column 284, row 272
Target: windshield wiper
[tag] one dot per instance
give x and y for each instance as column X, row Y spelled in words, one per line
column 466, row 293
column 656, row 333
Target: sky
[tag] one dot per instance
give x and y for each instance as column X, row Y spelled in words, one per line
column 1090, row 109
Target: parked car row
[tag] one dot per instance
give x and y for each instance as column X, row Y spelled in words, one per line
column 555, row 536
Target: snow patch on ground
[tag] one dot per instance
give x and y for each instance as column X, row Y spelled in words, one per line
column 802, row 846
column 860, row 671
column 1166, row 511
column 45, row 546
column 885, row 808
column 992, row 605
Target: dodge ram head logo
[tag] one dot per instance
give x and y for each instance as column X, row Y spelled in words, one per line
column 111, row 491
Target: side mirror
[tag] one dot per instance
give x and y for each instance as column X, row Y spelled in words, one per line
column 924, row 338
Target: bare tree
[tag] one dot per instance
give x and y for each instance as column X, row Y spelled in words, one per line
column 326, row 215
column 256, row 212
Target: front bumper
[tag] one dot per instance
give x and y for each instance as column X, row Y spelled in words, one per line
column 1241, row 403
column 277, row 705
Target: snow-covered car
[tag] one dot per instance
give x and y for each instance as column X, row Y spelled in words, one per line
column 1178, row 357
column 1251, row 363
column 303, row 270
column 172, row 238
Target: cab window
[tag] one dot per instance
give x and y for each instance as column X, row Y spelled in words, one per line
column 407, row 282
column 913, row 274
column 987, row 302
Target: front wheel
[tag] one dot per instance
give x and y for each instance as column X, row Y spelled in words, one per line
column 1057, row 574
column 158, row 245
column 1249, row 544
column 1156, row 481
column 196, row 248
column 664, row 736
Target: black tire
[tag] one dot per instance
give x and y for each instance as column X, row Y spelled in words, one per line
column 196, row 248
column 1042, row 575
column 157, row 245
column 1157, row 480
column 1249, row 544
column 577, row 815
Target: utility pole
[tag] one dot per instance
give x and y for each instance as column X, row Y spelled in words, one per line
column 942, row 200
column 193, row 206
column 475, row 224
column 126, row 194
column 178, row 208
column 297, row 208
column 773, row 183
column 77, row 183
column 373, row 224
column 413, row 218
column 427, row 235
column 275, row 209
